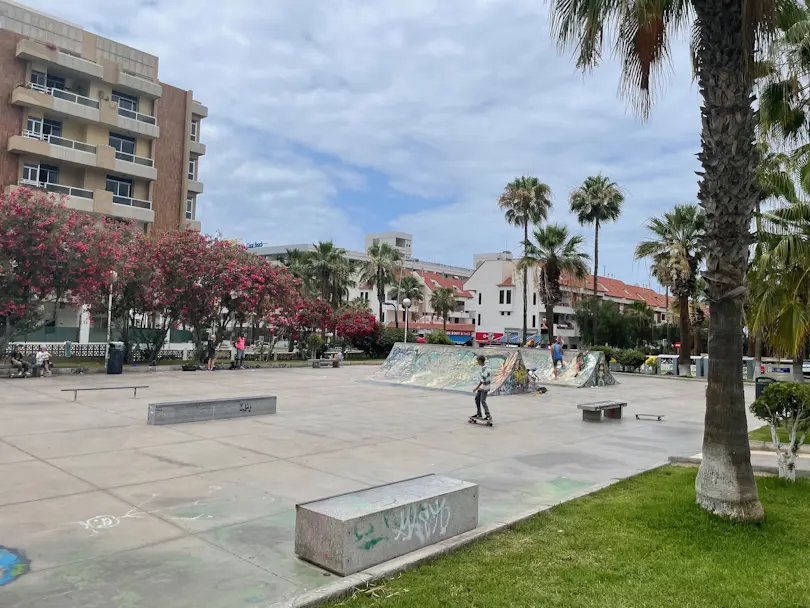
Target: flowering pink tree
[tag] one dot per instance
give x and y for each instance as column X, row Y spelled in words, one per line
column 49, row 253
column 353, row 325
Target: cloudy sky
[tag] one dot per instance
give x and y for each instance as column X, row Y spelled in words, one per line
column 333, row 118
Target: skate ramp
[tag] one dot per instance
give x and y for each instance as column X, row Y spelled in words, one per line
column 595, row 370
column 452, row 368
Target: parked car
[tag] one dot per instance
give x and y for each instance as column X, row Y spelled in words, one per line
column 806, row 368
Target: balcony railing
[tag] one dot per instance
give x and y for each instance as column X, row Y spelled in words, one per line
column 132, row 158
column 136, row 116
column 66, row 95
column 61, row 141
column 132, row 202
column 57, row 188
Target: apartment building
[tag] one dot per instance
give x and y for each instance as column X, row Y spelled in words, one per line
column 432, row 275
column 497, row 301
column 88, row 118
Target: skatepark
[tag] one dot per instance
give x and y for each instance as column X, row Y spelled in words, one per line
column 110, row 511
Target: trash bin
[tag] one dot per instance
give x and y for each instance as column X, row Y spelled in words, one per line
column 667, row 365
column 115, row 362
column 696, row 366
column 748, row 368
column 761, row 383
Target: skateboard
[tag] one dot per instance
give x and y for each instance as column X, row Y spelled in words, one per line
column 540, row 390
column 476, row 420
column 649, row 416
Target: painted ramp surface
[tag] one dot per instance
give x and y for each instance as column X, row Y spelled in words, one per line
column 580, row 370
column 452, row 368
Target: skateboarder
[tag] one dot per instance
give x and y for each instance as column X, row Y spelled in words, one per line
column 482, row 389
column 556, row 354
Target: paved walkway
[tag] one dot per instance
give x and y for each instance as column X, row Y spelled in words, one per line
column 114, row 513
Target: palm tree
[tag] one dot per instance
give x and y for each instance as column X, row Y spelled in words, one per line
column 378, row 271
column 525, row 201
column 781, row 282
column 442, row 301
column 552, row 253
column 297, row 262
column 323, row 261
column 724, row 36
column 642, row 316
column 596, row 202
column 410, row 287
column 676, row 252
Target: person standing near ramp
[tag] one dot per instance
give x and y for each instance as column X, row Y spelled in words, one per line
column 482, row 389
column 556, row 355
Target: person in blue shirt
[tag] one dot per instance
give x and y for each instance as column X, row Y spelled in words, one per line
column 482, row 389
column 557, row 355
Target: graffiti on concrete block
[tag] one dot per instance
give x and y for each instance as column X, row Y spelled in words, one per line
column 13, row 564
column 424, row 520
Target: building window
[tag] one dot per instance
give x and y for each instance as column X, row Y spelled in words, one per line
column 128, row 102
column 375, row 241
column 119, row 186
column 508, row 313
column 41, row 174
column 190, row 208
column 124, row 145
column 192, row 168
column 479, row 319
column 39, row 79
column 534, row 299
column 195, row 128
column 508, row 296
column 479, row 299
column 534, row 320
column 501, row 296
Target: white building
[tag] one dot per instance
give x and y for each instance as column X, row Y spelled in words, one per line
column 497, row 301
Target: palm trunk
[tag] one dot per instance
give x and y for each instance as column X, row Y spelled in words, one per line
column 696, row 340
column 798, row 374
column 728, row 193
column 685, row 351
column 595, row 276
column 550, row 322
column 666, row 303
column 444, row 322
column 525, row 285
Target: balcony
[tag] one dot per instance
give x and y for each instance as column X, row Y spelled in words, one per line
column 128, row 121
column 131, row 202
column 57, row 188
column 195, row 186
column 192, row 225
column 55, row 148
column 196, row 148
column 31, row 50
column 63, row 103
column 139, row 85
column 199, row 109
column 138, row 166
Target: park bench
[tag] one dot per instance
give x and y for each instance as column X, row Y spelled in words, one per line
column 318, row 363
column 592, row 412
column 201, row 410
column 104, row 388
column 354, row 531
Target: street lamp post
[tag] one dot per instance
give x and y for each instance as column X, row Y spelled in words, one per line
column 113, row 276
column 406, row 304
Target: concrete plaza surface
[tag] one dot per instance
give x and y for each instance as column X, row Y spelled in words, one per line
column 114, row 513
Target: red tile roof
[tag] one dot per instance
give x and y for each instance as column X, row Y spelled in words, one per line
column 436, row 281
column 507, row 282
column 616, row 289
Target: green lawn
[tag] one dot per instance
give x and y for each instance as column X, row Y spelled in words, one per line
column 641, row 543
column 763, row 433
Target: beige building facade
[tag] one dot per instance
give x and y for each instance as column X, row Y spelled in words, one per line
column 88, row 119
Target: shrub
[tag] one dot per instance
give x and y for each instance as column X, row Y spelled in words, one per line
column 785, row 405
column 315, row 345
column 439, row 337
column 630, row 359
column 378, row 345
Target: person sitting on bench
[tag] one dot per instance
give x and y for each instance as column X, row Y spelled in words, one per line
column 19, row 362
column 44, row 360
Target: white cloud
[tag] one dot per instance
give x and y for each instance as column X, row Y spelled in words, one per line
column 446, row 100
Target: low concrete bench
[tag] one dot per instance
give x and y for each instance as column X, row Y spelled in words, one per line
column 197, row 410
column 318, row 363
column 134, row 389
column 354, row 531
column 592, row 412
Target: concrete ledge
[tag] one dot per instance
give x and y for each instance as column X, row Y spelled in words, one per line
column 346, row 586
column 767, row 446
column 351, row 532
column 759, row 469
column 211, row 409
